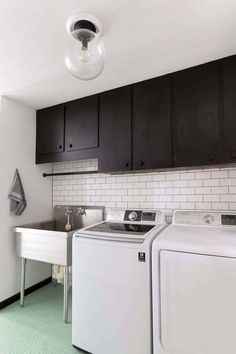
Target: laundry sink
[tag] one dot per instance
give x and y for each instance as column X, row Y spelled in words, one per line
column 48, row 241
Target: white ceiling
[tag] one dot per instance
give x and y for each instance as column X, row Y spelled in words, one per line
column 143, row 39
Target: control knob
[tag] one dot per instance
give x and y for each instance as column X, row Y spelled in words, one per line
column 208, row 219
column 133, row 216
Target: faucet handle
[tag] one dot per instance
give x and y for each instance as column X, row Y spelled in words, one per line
column 68, row 211
column 80, row 211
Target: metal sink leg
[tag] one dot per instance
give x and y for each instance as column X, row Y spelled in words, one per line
column 66, row 286
column 22, row 286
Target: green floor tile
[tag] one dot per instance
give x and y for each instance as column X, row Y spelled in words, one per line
column 38, row 328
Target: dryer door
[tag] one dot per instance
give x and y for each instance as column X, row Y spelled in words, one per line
column 197, row 304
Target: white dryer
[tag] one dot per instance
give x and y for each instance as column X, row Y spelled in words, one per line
column 112, row 283
column 194, row 284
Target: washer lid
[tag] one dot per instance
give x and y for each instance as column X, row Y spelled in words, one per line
column 121, row 228
column 121, row 232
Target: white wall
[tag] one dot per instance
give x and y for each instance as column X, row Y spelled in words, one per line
column 17, row 150
column 205, row 189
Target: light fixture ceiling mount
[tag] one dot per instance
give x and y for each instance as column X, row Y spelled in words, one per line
column 85, row 59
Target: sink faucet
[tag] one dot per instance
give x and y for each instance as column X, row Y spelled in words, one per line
column 81, row 211
column 68, row 212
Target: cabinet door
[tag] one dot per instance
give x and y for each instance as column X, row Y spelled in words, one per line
column 50, row 130
column 115, row 130
column 81, row 124
column 152, row 124
column 196, row 116
column 229, row 85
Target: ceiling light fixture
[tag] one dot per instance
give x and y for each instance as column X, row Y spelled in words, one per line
column 85, row 56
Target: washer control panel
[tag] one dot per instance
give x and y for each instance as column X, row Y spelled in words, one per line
column 133, row 215
column 148, row 216
column 145, row 217
column 140, row 215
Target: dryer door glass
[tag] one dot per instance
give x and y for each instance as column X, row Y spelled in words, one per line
column 198, row 303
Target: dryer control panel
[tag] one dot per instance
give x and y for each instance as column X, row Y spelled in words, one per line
column 202, row 218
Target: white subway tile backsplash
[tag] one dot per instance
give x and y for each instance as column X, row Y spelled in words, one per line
column 158, row 177
column 232, row 173
column 122, row 205
column 211, row 182
column 180, row 198
column 195, row 183
column 228, row 198
column 172, row 191
column 111, row 180
column 195, row 198
column 159, row 205
column 232, row 190
column 133, row 205
column 219, row 174
column 203, row 206
column 152, row 184
column 180, row 183
column 145, row 178
column 220, row 206
column 133, row 179
column 172, row 177
column 187, row 190
column 146, row 191
column 202, row 175
column 159, row 191
column 202, row 190
column 211, row 189
column 133, row 192
column 187, row 175
column 211, row 198
column 165, row 198
column 166, row 184
column 219, row 190
column 228, row 182
column 187, row 206
column 173, row 206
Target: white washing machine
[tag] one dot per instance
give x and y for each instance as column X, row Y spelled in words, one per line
column 194, row 284
column 112, row 283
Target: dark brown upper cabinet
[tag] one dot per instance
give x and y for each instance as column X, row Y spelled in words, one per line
column 196, row 116
column 50, row 130
column 229, row 100
column 182, row 119
column 81, row 124
column 151, row 124
column 115, row 130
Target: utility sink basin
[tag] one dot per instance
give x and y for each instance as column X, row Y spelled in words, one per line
column 48, row 241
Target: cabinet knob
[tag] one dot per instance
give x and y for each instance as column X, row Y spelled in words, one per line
column 126, row 164
column 233, row 154
column 70, row 146
column 60, row 146
column 140, row 163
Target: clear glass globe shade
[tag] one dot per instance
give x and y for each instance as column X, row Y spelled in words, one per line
column 85, row 63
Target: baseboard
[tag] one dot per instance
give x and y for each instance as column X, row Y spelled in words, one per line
column 28, row 291
column 81, row 350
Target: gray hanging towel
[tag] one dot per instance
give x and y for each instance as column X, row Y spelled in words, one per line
column 17, row 196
